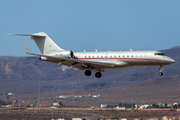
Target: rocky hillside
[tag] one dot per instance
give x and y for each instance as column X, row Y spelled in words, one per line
column 23, row 74
column 30, row 68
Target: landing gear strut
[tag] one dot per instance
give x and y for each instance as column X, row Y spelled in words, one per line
column 98, row 74
column 161, row 70
column 87, row 72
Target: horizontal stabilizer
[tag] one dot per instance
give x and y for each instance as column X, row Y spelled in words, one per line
column 32, row 35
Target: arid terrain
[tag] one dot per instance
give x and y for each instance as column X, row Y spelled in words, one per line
column 69, row 113
column 27, row 76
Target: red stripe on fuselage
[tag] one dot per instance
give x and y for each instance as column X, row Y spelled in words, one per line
column 120, row 59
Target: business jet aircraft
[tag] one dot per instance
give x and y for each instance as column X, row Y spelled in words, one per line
column 95, row 61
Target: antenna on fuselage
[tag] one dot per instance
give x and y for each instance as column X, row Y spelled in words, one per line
column 96, row 50
column 84, row 50
column 130, row 49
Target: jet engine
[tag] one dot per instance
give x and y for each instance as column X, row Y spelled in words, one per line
column 43, row 59
column 65, row 54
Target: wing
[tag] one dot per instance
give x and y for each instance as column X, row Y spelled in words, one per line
column 80, row 64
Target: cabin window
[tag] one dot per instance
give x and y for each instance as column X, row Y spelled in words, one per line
column 123, row 56
column 131, row 55
column 114, row 56
column 127, row 55
column 89, row 56
column 111, row 56
column 85, row 57
column 97, row 56
column 92, row 56
column 119, row 56
column 101, row 56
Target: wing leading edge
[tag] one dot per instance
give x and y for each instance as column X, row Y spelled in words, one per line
column 80, row 64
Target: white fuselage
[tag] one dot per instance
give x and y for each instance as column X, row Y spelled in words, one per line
column 124, row 59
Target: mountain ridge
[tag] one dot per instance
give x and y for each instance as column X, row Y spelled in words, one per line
column 29, row 71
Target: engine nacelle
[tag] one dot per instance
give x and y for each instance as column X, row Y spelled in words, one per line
column 43, row 59
column 65, row 54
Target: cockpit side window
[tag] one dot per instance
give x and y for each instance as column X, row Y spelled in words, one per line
column 159, row 54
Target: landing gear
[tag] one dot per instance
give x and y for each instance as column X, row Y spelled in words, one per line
column 160, row 73
column 98, row 74
column 87, row 72
column 161, row 70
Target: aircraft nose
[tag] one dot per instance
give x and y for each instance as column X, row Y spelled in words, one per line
column 172, row 61
column 169, row 61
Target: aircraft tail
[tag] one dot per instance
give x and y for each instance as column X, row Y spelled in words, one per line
column 44, row 42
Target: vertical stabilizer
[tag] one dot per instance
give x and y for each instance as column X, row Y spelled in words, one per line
column 45, row 43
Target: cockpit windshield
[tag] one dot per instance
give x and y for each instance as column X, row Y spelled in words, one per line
column 159, row 54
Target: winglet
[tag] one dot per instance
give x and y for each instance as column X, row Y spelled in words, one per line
column 27, row 50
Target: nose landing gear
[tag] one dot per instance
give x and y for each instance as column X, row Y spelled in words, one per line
column 161, row 70
column 161, row 73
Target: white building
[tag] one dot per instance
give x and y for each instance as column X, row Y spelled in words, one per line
column 96, row 95
column 120, row 108
column 10, row 94
column 55, row 104
column 103, row 105
column 76, row 118
column 144, row 106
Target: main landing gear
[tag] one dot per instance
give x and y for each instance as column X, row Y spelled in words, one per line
column 97, row 74
column 87, row 72
column 161, row 70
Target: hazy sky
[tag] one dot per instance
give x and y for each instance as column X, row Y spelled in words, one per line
column 90, row 24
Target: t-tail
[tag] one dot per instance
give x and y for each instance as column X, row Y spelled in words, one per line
column 44, row 42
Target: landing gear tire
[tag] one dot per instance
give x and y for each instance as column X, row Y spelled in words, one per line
column 87, row 72
column 98, row 74
column 160, row 73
